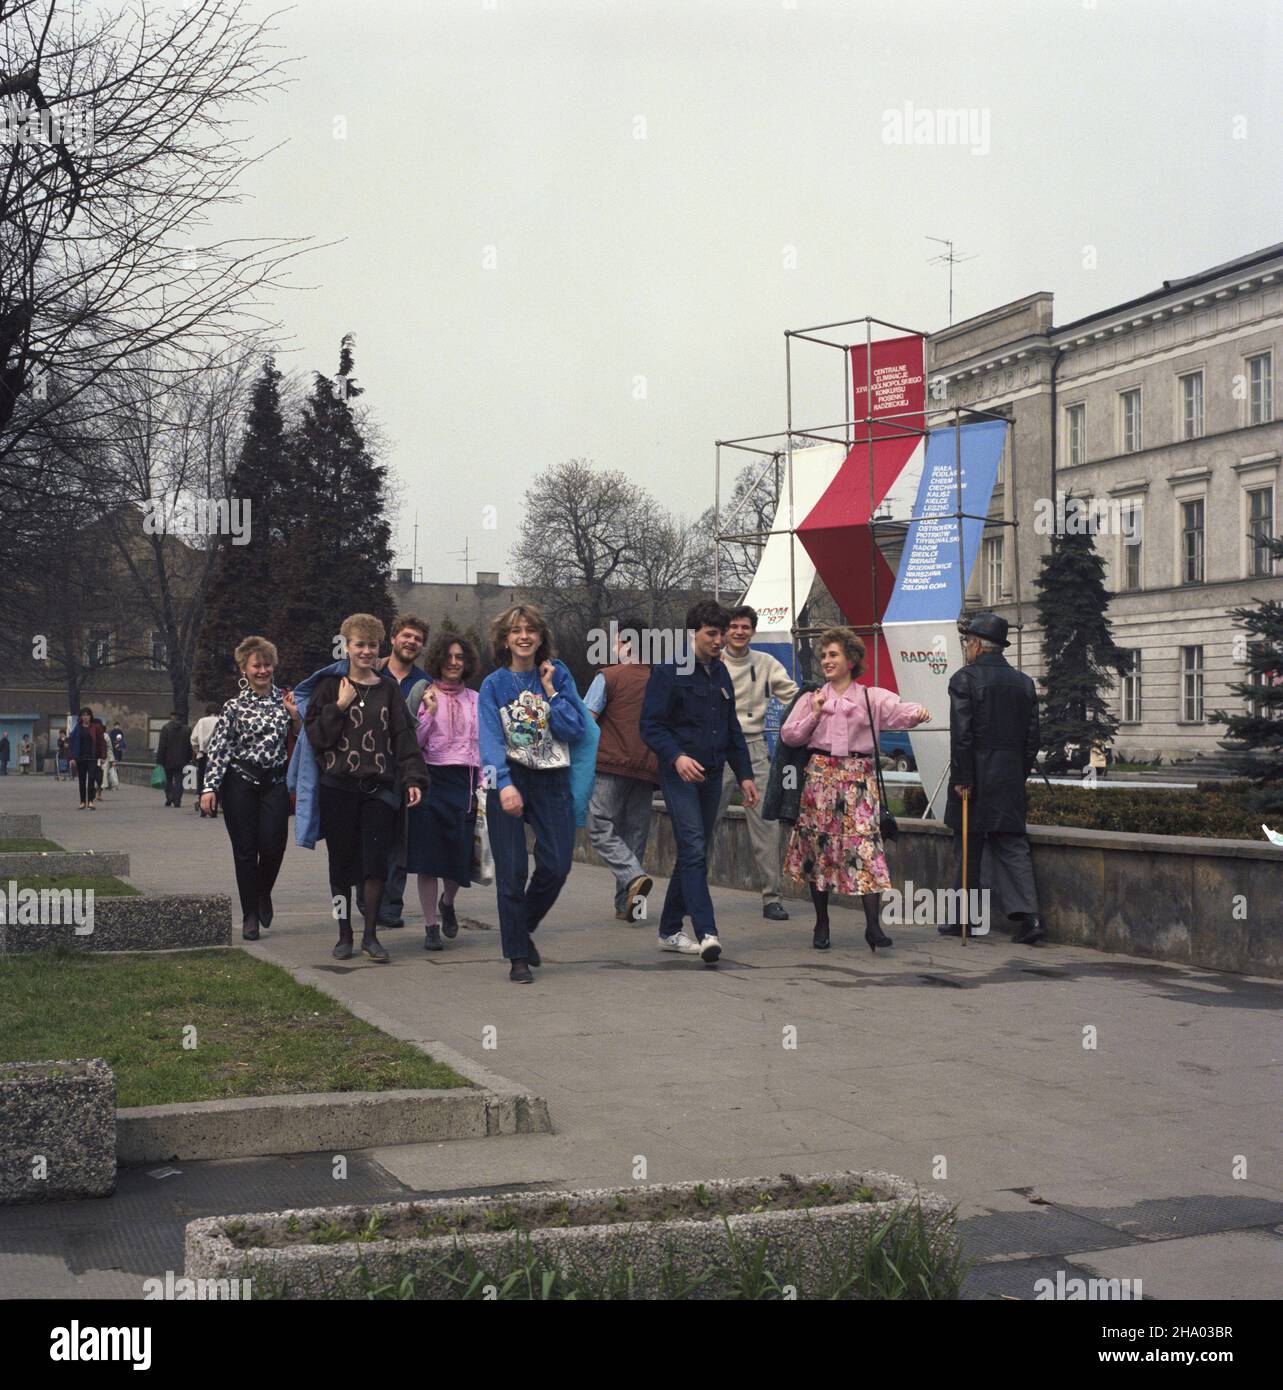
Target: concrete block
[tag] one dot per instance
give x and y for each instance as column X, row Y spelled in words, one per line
column 57, row 1130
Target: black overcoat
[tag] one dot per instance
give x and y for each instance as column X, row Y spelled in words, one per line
column 993, row 744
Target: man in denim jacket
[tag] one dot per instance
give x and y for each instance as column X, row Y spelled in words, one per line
column 688, row 720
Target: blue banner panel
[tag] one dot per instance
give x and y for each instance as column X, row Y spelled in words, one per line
column 929, row 584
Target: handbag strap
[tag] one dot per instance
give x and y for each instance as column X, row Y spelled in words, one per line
column 877, row 761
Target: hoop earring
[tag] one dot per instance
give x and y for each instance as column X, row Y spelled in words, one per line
column 243, row 683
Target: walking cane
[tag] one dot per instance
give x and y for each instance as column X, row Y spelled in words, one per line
column 966, row 882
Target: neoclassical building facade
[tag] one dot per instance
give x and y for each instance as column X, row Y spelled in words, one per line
column 1158, row 420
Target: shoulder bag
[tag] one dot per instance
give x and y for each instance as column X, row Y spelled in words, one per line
column 886, row 821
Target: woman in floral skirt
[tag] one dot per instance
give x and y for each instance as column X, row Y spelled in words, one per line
column 836, row 844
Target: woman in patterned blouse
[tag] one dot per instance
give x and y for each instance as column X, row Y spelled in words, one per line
column 248, row 754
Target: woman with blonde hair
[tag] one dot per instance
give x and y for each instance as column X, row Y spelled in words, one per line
column 368, row 769
column 245, row 771
column 836, row 844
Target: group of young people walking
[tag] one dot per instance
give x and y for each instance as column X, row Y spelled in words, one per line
column 402, row 768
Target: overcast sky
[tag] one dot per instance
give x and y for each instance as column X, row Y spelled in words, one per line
column 579, row 227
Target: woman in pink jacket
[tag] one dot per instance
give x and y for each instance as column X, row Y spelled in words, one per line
column 836, row 844
column 441, row 829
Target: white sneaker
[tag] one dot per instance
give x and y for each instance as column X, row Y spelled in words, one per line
column 710, row 949
column 679, row 941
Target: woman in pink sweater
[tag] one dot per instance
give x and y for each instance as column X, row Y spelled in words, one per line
column 836, row 844
column 441, row 829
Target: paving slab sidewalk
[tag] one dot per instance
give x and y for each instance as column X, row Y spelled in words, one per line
column 1016, row 1080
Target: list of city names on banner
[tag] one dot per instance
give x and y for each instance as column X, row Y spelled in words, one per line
column 924, row 565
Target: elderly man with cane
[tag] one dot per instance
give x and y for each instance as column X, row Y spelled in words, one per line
column 993, row 746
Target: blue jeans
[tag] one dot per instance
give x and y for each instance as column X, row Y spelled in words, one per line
column 549, row 810
column 692, row 808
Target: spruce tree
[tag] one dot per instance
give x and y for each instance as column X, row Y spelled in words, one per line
column 1079, row 654
column 338, row 559
column 240, row 601
column 1258, row 738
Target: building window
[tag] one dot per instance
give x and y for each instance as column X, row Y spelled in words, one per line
column 98, row 646
column 1130, row 518
column 993, row 570
column 1130, row 401
column 1260, row 389
column 1192, row 685
column 1260, row 528
column 1074, row 420
column 159, row 652
column 1261, row 681
column 1131, row 685
column 1192, row 406
column 1192, row 536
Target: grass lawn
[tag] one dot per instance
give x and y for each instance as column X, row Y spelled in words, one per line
column 103, row 885
column 258, row 1032
column 27, row 846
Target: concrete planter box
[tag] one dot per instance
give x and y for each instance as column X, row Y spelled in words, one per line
column 280, row 1257
column 168, row 922
column 321, row 1123
column 18, row 827
column 57, row 1130
column 83, row 862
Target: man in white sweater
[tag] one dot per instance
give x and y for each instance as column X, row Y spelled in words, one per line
column 757, row 677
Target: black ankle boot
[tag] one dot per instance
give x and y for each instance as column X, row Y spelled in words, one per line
column 249, row 928
column 820, row 936
column 873, row 933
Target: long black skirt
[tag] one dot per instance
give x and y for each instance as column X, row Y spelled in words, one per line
column 441, row 826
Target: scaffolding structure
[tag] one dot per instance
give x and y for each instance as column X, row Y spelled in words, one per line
column 887, row 426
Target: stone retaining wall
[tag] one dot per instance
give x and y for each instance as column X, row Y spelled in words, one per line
column 58, row 1130
column 1212, row 903
column 167, row 922
column 80, row 862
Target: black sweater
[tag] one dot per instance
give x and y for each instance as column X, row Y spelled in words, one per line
column 373, row 739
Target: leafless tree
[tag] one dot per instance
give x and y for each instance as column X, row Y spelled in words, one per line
column 125, row 129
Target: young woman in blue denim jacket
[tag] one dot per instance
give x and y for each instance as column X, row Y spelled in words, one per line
column 530, row 714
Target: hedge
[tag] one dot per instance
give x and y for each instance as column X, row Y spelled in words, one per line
column 1214, row 810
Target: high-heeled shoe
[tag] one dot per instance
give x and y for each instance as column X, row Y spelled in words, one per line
column 820, row 936
column 873, row 932
column 876, row 937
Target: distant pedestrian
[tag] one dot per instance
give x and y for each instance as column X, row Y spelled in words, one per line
column 173, row 753
column 688, row 718
column 836, row 843
column 993, row 746
column 117, row 740
column 627, row 775
column 86, row 745
column 246, row 756
column 24, row 755
column 4, row 755
column 62, row 769
column 530, row 715
column 442, row 826
column 202, row 732
column 104, row 759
